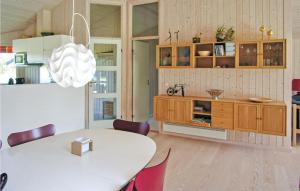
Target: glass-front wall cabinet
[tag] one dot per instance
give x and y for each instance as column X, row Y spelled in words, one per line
column 248, row 55
column 183, row 56
column 174, row 56
column 165, row 55
column 273, row 54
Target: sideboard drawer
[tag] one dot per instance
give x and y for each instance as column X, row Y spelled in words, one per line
column 224, row 123
column 222, row 107
column 220, row 114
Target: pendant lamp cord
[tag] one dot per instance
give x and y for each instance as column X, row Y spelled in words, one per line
column 72, row 26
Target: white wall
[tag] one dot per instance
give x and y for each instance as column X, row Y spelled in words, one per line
column 25, row 107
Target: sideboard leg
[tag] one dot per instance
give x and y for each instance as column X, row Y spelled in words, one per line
column 160, row 127
column 294, row 142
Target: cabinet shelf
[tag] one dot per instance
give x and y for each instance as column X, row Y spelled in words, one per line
column 204, row 56
column 224, row 56
column 201, row 124
column 202, row 113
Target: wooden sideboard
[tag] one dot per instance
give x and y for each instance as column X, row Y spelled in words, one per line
column 232, row 114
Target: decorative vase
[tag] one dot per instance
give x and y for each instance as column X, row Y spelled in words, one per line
column 196, row 40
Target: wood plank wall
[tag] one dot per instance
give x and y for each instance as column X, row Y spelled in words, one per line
column 296, row 57
column 296, row 38
column 194, row 16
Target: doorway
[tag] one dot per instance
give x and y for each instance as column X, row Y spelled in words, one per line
column 105, row 89
column 145, row 80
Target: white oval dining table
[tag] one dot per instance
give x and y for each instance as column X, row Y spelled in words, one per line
column 48, row 165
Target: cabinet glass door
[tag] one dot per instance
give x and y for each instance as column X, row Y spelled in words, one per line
column 105, row 89
column 248, row 55
column 273, row 54
column 165, row 56
column 183, row 56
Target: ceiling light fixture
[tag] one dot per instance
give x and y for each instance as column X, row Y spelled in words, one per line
column 73, row 64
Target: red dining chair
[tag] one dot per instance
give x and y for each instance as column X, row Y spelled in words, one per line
column 134, row 127
column 129, row 187
column 151, row 178
column 3, row 180
column 18, row 138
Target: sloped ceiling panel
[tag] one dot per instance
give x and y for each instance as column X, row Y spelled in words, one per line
column 18, row 14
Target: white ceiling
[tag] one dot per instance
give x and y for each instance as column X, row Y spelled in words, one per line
column 18, row 14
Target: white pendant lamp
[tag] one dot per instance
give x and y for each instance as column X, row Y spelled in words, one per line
column 73, row 64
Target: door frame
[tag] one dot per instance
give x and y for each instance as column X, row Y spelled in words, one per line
column 124, row 40
column 130, row 58
column 118, row 42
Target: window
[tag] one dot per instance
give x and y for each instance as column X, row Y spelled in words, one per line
column 7, row 67
column 105, row 20
column 145, row 20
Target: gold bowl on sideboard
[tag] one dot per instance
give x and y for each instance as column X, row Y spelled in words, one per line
column 260, row 99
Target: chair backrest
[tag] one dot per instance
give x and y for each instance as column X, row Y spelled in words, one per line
column 3, row 176
column 18, row 138
column 135, row 127
column 129, row 186
column 3, row 180
column 152, row 178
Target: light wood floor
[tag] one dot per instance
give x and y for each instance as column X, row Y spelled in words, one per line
column 197, row 165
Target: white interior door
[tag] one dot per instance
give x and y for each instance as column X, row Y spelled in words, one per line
column 105, row 89
column 141, row 81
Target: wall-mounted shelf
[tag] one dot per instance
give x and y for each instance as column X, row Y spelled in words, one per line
column 243, row 55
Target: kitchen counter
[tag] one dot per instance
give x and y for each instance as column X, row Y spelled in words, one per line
column 27, row 84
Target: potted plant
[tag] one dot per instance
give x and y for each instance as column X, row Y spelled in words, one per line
column 224, row 34
column 230, row 34
column 221, row 34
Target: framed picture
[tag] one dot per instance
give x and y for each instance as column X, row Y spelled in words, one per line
column 219, row 50
column 21, row 58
